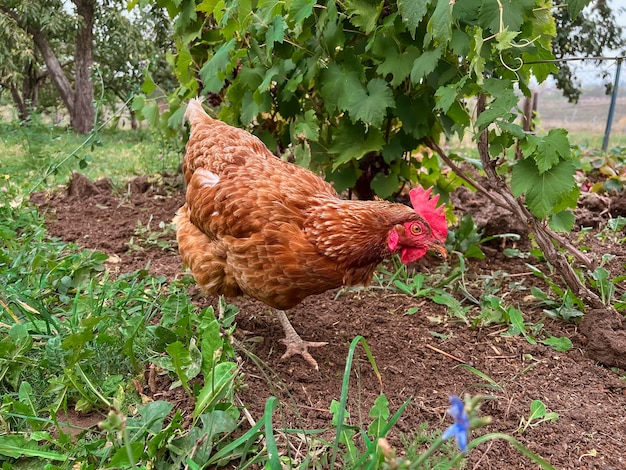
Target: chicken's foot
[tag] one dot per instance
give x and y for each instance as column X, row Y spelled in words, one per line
column 295, row 344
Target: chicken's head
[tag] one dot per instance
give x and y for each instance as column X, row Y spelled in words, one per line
column 428, row 232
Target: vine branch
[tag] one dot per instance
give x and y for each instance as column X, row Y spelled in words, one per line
column 544, row 237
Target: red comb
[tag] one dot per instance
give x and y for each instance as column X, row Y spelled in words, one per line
column 426, row 207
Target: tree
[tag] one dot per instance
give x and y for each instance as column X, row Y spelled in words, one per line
column 129, row 44
column 51, row 27
column 589, row 34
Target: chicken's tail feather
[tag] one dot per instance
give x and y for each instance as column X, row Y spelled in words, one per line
column 195, row 112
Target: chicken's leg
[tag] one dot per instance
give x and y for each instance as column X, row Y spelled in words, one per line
column 295, row 344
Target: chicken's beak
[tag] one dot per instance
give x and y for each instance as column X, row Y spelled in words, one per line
column 440, row 249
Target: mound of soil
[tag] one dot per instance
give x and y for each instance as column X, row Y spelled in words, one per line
column 419, row 355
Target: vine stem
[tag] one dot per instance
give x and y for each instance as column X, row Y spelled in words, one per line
column 544, row 236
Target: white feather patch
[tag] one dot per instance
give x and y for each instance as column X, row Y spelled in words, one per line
column 207, row 178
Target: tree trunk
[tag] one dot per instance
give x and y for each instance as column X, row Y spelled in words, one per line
column 83, row 115
column 55, row 71
column 22, row 109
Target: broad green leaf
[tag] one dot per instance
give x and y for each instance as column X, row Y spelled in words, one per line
column 275, row 33
column 301, row 10
column 302, row 154
column 513, row 13
column 385, row 185
column 352, row 142
column 17, row 446
column 216, row 386
column 213, row 73
column 305, row 126
column 477, row 61
column 412, row 13
column 460, row 43
column 424, row 65
column 380, row 413
column 207, row 6
column 148, row 85
column 445, row 96
column 562, row 221
column 576, row 6
column 504, row 101
column 211, row 345
column 371, row 106
column 175, row 120
column 504, row 39
column 554, row 145
column 271, row 7
column 380, row 408
column 342, row 178
column 542, row 190
column 25, row 393
column 127, row 456
column 561, row 344
column 340, row 88
column 151, row 112
column 363, row 13
column 440, row 24
column 398, row 64
column 537, row 410
column 181, row 359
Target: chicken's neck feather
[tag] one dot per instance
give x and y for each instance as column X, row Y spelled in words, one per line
column 355, row 232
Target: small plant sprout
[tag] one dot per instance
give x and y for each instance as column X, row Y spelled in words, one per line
column 538, row 414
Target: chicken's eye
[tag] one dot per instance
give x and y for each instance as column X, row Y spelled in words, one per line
column 416, row 229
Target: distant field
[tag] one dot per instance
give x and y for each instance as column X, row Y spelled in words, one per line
column 585, row 120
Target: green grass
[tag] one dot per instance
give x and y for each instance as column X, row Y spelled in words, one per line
column 34, row 150
column 74, row 337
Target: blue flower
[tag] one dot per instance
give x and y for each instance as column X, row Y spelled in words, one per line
column 460, row 428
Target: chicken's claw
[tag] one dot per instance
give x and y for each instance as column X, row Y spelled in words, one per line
column 295, row 344
column 300, row 347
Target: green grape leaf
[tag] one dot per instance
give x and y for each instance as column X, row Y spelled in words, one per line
column 477, row 61
column 363, row 14
column 301, row 10
column 513, row 12
column 371, row 106
column 398, row 64
column 440, row 24
column 425, row 64
column 542, row 190
column 352, row 142
column 445, row 96
column 385, row 185
column 342, row 178
column 412, row 13
column 562, row 221
column 213, row 73
column 275, row 33
column 305, row 126
column 504, row 39
column 548, row 150
column 576, row 6
column 504, row 101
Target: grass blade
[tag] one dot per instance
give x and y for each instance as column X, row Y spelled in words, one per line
column 344, row 389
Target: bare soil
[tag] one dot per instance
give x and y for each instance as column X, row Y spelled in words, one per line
column 589, row 397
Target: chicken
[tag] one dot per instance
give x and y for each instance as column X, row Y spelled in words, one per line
column 254, row 224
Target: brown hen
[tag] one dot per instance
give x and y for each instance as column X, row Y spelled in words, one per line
column 254, row 224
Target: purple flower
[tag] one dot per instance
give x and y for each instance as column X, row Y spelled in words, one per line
column 460, row 428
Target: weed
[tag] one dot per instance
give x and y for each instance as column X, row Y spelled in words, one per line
column 145, row 237
column 538, row 414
